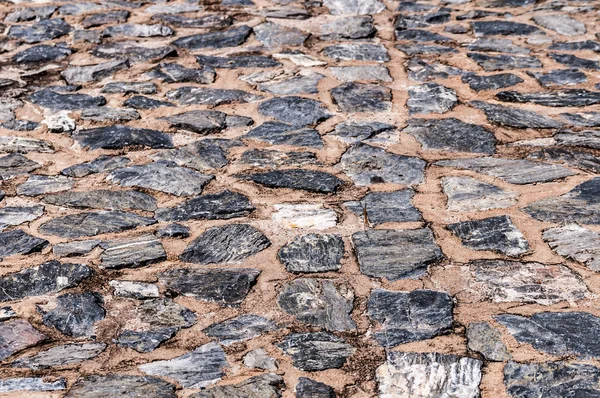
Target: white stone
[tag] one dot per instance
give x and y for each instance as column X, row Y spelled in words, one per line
column 304, row 216
column 59, row 122
column 134, row 289
column 24, row 145
column 562, row 24
column 354, row 7
column 301, row 59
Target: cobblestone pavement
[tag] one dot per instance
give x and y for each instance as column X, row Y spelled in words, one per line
column 287, row 198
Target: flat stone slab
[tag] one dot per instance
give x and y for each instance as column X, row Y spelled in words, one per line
column 312, row 253
column 17, row 335
column 189, row 95
column 491, row 82
column 559, row 78
column 556, row 333
column 74, row 314
column 316, row 351
column 285, row 82
column 492, row 44
column 407, row 317
column 202, row 122
column 74, row 248
column 382, row 207
column 197, row 369
column 395, row 254
column 266, row 385
column 137, row 30
column 19, row 242
column 16, row 164
column 24, row 145
column 17, row 215
column 491, row 63
column 561, row 24
column 240, row 328
column 352, row 131
column 558, row 98
column 354, row 7
column 132, row 253
column 132, row 289
column 232, row 37
column 361, row 97
column 313, row 216
column 162, row 176
column 350, row 27
column 503, row 281
column 271, row 34
column 296, row 111
column 119, row 137
column 225, row 286
column 132, row 51
column 220, row 206
column 514, row 117
column 98, row 386
column 31, row 384
column 231, row 244
column 41, row 184
column 90, row 73
column 265, row 158
column 486, row 340
column 575, row 243
column 571, row 157
column 319, row 302
column 504, row 28
column 103, row 199
column 201, row 155
column 277, row 133
column 47, row 98
column 369, row 73
column 366, row 165
column 471, row 194
column 237, row 61
column 517, row 171
column 307, row 180
column 430, row 98
column 357, row 52
column 129, row 88
column 93, row 223
column 497, row 234
column 451, row 135
column 423, row 375
column 421, row 70
column 307, row 388
column 40, row 31
column 99, row 165
column 61, row 355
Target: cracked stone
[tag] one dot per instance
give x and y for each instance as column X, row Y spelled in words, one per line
column 383, row 207
column 259, row 359
column 175, row 73
column 232, row 37
column 119, row 137
column 93, row 223
column 307, row 388
column 273, row 159
column 211, row 96
column 351, row 131
column 219, row 206
column 295, row 110
column 316, row 351
column 470, row 194
column 514, row 117
column 74, row 314
column 491, row 63
column 199, row 155
column 19, row 242
column 486, row 340
column 243, row 327
column 357, row 52
column 262, row 386
column 132, row 51
column 132, row 253
column 89, row 73
column 312, row 253
column 99, row 386
column 421, row 70
column 430, row 98
column 61, row 355
column 307, row 180
column 558, row 98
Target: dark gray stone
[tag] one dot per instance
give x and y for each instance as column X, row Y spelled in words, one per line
column 210, row 96
column 470, row 194
column 101, row 386
column 272, row 35
column 430, row 98
column 354, row 131
column 17, row 215
column 199, row 155
column 307, row 388
column 173, row 231
column 491, row 63
column 237, row 61
column 582, row 119
column 132, row 51
column 575, row 62
column 32, row 384
column 297, row 111
column 41, row 53
column 89, row 73
column 486, row 340
column 395, row 254
column 175, row 73
column 491, row 82
column 561, row 24
column 505, row 28
column 17, row 335
column 201, row 121
column 50, row 99
column 43, row 30
column 141, row 102
column 263, row 386
column 208, row 21
column 117, row 16
column 119, row 137
column 406, row 317
column 414, row 20
column 137, row 30
column 424, row 49
column 23, row 14
column 93, row 223
column 571, row 157
column 357, row 52
column 240, row 328
column 232, row 37
column 61, row 355
column 576, row 46
column 75, row 248
column 276, row 133
column 496, row 45
column 284, row 82
column 515, row 117
column 265, row 158
column 74, row 314
column 20, row 125
column 41, row 184
column 19, row 242
column 103, row 199
column 421, row 36
column 110, row 114
column 129, row 87
column 558, row 98
column 360, row 97
column 16, row 164
column 220, row 206
column 383, row 207
column 307, row 180
column 99, row 165
column 557, row 78
column 316, row 351
column 421, row 70
column 352, row 27
column 312, row 253
column 451, row 135
column 132, row 253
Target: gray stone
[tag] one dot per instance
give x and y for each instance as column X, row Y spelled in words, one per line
column 420, row 36
column 141, row 102
column 41, row 184
column 358, row 27
column 357, row 7
column 307, row 388
column 24, row 145
column 110, row 114
column 488, row 44
column 232, row 37
column 366, row 165
column 514, row 117
column 421, row 70
column 491, row 63
column 61, row 355
column 10, row 215
column 161, row 176
column 576, row 46
column 583, row 119
column 307, row 180
column 505, row 28
column 49, row 277
column 75, row 248
column 491, row 82
column 276, row 133
column 271, row 35
column 558, row 98
column 451, row 135
column 425, row 49
column 129, row 87
column 43, row 30
column 99, row 165
column 312, row 253
column 103, row 199
column 274, row 159
column 359, row 97
column 220, row 206
column 231, row 244
column 175, row 8
column 561, row 24
column 198, row 155
column 571, row 157
column 100, row 386
column 374, row 73
column 418, row 20
column 132, row 51
column 23, row 14
column 41, row 53
column 263, row 386
column 89, row 73
column 258, row 359
column 557, row 78
column 74, row 314
column 395, row 254
column 357, row 52
column 586, row 138
column 294, row 110
column 86, row 36
column 210, row 96
column 31, row 384
column 556, row 333
column 50, row 99
column 80, row 7
column 175, row 73
column 575, row 243
column 117, row 16
column 426, row 375
column 377, row 208
column 135, row 290
column 19, row 242
column 430, row 98
column 240, row 328
column 196, row 369
column 407, row 317
column 352, row 131
column 173, row 231
column 132, row 253
column 287, row 12
column 93, row 223
column 119, row 137
column 575, row 62
column 201, row 121
column 137, row 30
column 284, row 82
column 225, row 286
column 486, row 340
column 237, row 61
column 316, row 351
column 208, row 21
column 17, row 335
column 470, row 194
column 20, row 125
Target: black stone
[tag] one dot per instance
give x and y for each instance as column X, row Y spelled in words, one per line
column 131, row 51
column 575, row 62
column 559, row 77
column 515, row 117
column 210, row 96
column 114, row 385
column 308, row 180
column 99, row 165
column 16, row 164
column 48, row 98
column 237, row 61
column 75, row 314
column 175, row 73
column 93, row 223
column 220, row 206
column 276, row 133
column 141, row 102
column 296, row 111
column 216, row 21
column 307, row 388
column 19, row 242
column 266, row 385
column 118, row 137
column 129, row 87
column 383, row 207
column 117, row 16
column 240, row 328
column 227, row 38
column 316, row 351
column 505, row 28
column 451, row 135
column 421, row 36
column 360, row 97
column 504, row 62
column 357, row 52
column 103, row 199
column 42, row 53
column 173, row 231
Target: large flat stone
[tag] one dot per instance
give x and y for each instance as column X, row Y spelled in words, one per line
column 103, row 199
column 132, row 253
column 19, row 242
column 74, row 314
column 100, row 386
column 312, row 253
column 470, row 194
column 515, row 117
column 302, row 179
column 382, row 207
column 119, row 137
column 240, row 328
column 263, row 386
column 16, row 335
column 61, row 355
column 296, row 111
column 316, row 351
column 232, row 37
column 220, row 206
column 93, row 223
column 430, row 98
column 451, row 135
column 277, row 133
column 575, row 243
column 559, row 98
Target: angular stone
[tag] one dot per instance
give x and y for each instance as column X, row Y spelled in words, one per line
column 274, row 159
column 24, row 145
column 232, row 243
column 175, row 8
column 136, row 290
column 19, row 242
column 93, row 223
column 299, row 58
column 556, row 333
column 117, row 16
column 232, row 37
column 119, row 137
column 99, row 386
column 558, row 98
column 103, row 199
column 99, row 165
column 237, row 61
column 354, row 131
column 141, row 102
column 426, row 375
column 420, row 36
column 358, row 97
column 10, row 215
column 514, row 171
column 199, row 155
column 491, row 63
column 173, row 231
column 505, row 28
column 80, row 7
column 87, row 36
column 75, row 248
column 316, row 351
column 74, row 314
column 415, row 20
column 263, row 386
column 452, row 135
column 17, row 335
column 23, row 14
column 294, row 110
column 576, row 46
column 357, row 52
column 496, row 45
column 61, row 355
column 196, row 369
column 109, row 114
column 31, row 384
column 558, row 78
column 41, row 184
column 421, row 70
column 374, row 73
column 586, row 138
column 551, row 380
column 285, row 82
column 575, row 62
column 175, row 73
column 276, row 133
column 137, row 30
column 514, row 117
column 271, row 35
column 367, row 165
column 359, row 27
column 201, row 121
column 307, row 180
column 41, row 53
column 430, row 98
column 357, row 7
column 561, row 24
column 417, row 49
column 132, row 253
column 43, row 30
column 225, row 286
column 258, row 359
column 49, row 277
column 571, row 157
column 491, row 82
column 407, row 317
column 395, row 254
column 307, row 388
column 583, row 119
column 319, row 302
column 575, row 243
column 486, row 340
column 383, row 207
column 304, row 216
column 20, row 125
column 129, row 87
column 210, row 96
column 240, row 328
column 208, row 21
column 89, row 73
column 133, row 52
column 312, row 253
column 220, row 206
column 47, row 98
column 470, row 194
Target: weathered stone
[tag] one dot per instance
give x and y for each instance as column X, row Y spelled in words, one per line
column 173, row 231
column 75, row 248
column 304, row 216
column 491, row 63
column 99, row 386
column 137, row 30
column 23, row 14
column 276, row 133
column 24, row 145
column 41, row 53
column 299, row 58
column 220, row 206
column 395, row 254
column 175, row 73
column 426, row 375
column 196, row 369
column 17, row 335
column 575, row 46
column 263, row 386
column 496, row 45
column 80, row 7
column 430, row 98
column 498, row 234
column 313, row 253
column 271, row 34
column 515, row 117
column 136, row 290
column 199, row 155
column 421, row 70
column 129, row 87
column 274, row 159
column 575, row 62
column 294, row 110
column 175, row 8
column 420, row 36
column 50, row 99
column 571, row 157
column 383, row 207
column 451, row 135
column 283, row 82
column 74, row 314
column 93, row 223
column 583, row 119
column 210, row 96
column 556, row 333
column 61, row 355
column 225, row 286
column 575, row 243
column 19, row 242
column 491, row 82
column 20, row 125
column 308, row 180
column 559, row 78
column 505, row 28
column 359, row 27
column 132, row 253
column 470, row 194
column 132, row 51
column 109, row 114
column 118, row 137
column 486, row 340
column 89, row 73
column 417, row 20
column 561, row 24
column 43, row 30
column 117, row 16
column 374, row 73
column 103, row 199
column 357, row 52
column 407, row 317
column 200, row 121
column 259, row 359
column 366, row 165
column 141, row 102
column 208, row 21
column 357, row 97
column 558, row 98
column 237, row 61
column 41, row 184
column 232, row 37
column 10, row 215
column 417, row 49
column 99, row 165
column 316, row 351
column 16, row 164
column 86, row 36
column 31, row 384
column 240, row 328
column 307, row 388
column 357, row 7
